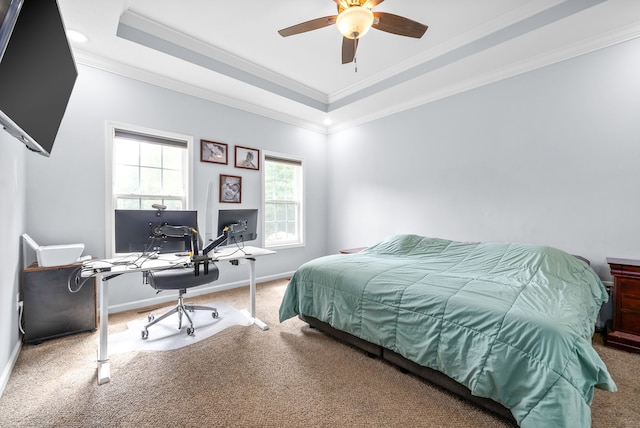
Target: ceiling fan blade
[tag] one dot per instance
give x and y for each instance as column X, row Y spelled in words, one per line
column 398, row 25
column 349, row 47
column 303, row 27
column 370, row 4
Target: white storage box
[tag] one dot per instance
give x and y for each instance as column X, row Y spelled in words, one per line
column 55, row 255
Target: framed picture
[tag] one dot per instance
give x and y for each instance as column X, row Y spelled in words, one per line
column 211, row 151
column 247, row 158
column 230, row 189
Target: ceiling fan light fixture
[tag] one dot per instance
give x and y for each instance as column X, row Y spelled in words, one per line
column 354, row 22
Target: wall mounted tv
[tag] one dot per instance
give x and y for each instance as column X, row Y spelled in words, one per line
column 37, row 71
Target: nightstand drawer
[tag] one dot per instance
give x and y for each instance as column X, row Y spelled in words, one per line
column 629, row 287
column 630, row 321
column 630, row 303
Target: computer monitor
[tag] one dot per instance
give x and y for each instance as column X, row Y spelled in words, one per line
column 142, row 230
column 242, row 225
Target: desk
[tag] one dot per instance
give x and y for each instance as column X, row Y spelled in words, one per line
column 163, row 262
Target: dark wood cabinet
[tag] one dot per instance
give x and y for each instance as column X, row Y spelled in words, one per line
column 352, row 250
column 50, row 309
column 625, row 331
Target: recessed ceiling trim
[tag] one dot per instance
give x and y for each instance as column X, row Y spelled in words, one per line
column 146, row 32
column 219, row 88
column 118, row 68
column 142, row 30
column 476, row 32
column 534, row 22
column 602, row 41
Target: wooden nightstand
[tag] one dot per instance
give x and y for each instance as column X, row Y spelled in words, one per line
column 352, row 250
column 626, row 305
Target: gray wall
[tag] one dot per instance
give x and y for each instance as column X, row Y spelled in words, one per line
column 549, row 157
column 66, row 192
column 12, row 224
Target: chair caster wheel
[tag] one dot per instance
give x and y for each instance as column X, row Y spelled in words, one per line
column 191, row 331
column 214, row 314
column 145, row 334
column 151, row 318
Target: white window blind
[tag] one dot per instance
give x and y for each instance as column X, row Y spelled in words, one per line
column 283, row 201
column 149, row 169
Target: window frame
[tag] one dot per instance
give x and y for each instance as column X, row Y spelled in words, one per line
column 266, row 156
column 110, row 131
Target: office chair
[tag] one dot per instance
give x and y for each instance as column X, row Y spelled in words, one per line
column 179, row 279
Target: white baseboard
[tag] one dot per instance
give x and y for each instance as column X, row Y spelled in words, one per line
column 4, row 379
column 161, row 299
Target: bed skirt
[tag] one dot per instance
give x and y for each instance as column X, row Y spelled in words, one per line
column 433, row 376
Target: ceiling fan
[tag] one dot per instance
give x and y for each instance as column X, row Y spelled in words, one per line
column 354, row 19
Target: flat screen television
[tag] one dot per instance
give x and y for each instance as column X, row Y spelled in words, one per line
column 141, row 231
column 8, row 14
column 37, row 71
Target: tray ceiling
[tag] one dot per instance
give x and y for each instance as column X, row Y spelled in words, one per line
column 231, row 53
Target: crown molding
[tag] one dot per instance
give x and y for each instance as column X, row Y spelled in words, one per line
column 582, row 47
column 121, row 69
column 475, row 33
column 611, row 38
column 138, row 28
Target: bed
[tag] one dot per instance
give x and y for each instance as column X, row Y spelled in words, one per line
column 509, row 323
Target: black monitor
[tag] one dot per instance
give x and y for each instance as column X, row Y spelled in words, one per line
column 149, row 230
column 242, row 225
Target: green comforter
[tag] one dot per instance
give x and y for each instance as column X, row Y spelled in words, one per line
column 512, row 322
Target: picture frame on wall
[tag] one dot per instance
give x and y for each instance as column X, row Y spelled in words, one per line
column 247, row 158
column 230, row 189
column 214, row 152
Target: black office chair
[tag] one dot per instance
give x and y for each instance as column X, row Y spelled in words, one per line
column 180, row 279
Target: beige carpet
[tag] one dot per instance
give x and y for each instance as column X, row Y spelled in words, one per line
column 287, row 376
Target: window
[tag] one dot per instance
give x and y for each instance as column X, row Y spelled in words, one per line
column 146, row 167
column 283, row 208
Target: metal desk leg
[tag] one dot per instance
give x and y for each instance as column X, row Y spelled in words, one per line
column 252, row 294
column 104, row 371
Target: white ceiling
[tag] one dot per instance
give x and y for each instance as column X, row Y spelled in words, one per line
column 230, row 51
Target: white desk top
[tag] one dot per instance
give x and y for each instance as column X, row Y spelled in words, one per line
column 234, row 253
column 139, row 263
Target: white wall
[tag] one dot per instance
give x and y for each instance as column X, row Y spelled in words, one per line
column 549, row 157
column 66, row 192
column 12, row 221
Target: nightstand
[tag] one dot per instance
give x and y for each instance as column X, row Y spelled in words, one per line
column 626, row 305
column 352, row 250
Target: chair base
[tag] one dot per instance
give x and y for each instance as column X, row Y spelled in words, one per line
column 181, row 308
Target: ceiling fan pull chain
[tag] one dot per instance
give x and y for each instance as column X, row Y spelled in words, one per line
column 355, row 63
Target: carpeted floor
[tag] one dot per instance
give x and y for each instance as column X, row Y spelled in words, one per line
column 287, row 376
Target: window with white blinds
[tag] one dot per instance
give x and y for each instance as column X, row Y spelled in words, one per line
column 145, row 167
column 283, row 202
column 147, row 170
